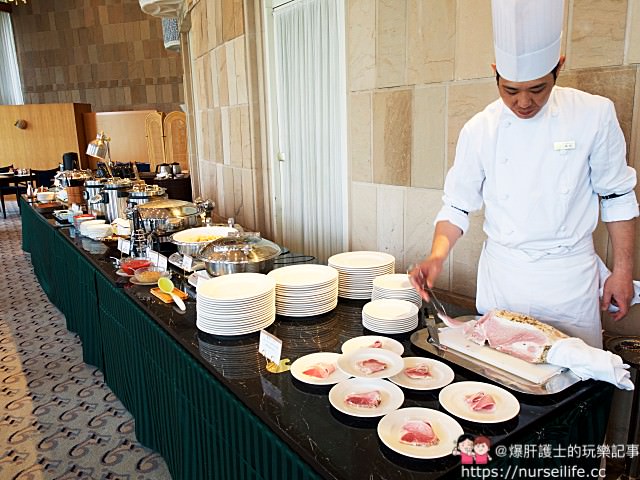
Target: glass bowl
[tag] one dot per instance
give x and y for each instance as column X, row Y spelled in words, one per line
column 150, row 275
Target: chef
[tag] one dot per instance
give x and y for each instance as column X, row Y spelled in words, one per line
column 543, row 160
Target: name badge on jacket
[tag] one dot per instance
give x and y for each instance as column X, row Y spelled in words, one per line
column 566, row 145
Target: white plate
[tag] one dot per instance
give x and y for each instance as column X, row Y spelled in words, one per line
column 393, row 281
column 236, row 286
column 390, row 309
column 392, row 396
column 303, row 275
column 452, row 399
column 348, row 362
column 361, row 259
column 306, row 362
column 446, row 428
column 122, row 273
column 366, row 341
column 441, row 375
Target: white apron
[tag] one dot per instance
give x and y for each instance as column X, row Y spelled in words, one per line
column 557, row 287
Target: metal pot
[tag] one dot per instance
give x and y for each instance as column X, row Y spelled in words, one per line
column 238, row 254
column 163, row 169
column 167, row 216
column 92, row 194
column 176, row 168
column 114, row 196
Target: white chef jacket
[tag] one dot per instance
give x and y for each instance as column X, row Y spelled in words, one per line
column 539, row 180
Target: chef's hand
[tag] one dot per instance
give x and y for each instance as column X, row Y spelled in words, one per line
column 618, row 290
column 425, row 273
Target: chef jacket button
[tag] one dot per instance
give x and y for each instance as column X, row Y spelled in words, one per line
column 504, row 160
column 508, row 231
column 564, row 190
column 563, row 228
column 504, row 197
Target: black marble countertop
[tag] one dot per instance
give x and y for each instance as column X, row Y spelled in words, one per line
column 336, row 445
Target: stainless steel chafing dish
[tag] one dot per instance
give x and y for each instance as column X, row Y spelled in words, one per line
column 167, row 216
column 72, row 178
column 142, row 193
column 241, row 253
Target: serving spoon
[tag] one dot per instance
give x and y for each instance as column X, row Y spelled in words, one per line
column 166, row 285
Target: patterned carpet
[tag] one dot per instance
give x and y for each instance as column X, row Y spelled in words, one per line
column 58, row 419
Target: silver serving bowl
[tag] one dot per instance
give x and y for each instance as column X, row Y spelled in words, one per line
column 193, row 240
column 239, row 254
column 167, row 216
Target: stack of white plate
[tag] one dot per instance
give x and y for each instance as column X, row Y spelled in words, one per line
column 305, row 290
column 236, row 304
column 357, row 271
column 395, row 285
column 390, row 316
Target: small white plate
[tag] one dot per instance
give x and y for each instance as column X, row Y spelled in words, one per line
column 441, row 375
column 391, row 395
column 446, row 428
column 348, row 362
column 452, row 399
column 308, row 361
column 122, row 273
column 366, row 341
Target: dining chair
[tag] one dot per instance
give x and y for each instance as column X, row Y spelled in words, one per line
column 8, row 189
column 44, row 178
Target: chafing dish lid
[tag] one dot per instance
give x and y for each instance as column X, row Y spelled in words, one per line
column 242, row 248
column 166, row 208
column 142, row 191
column 117, row 183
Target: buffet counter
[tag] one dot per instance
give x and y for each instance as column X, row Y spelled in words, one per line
column 211, row 409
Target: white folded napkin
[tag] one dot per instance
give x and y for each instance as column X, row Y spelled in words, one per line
column 590, row 362
column 604, row 274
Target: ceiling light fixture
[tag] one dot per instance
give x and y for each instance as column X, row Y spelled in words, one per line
column 16, row 2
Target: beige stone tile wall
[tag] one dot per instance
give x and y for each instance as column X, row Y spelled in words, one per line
column 417, row 71
column 108, row 54
column 222, row 36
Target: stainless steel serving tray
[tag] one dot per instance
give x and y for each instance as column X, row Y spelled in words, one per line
column 555, row 384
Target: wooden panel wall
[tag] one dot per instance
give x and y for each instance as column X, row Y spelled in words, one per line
column 52, row 130
column 127, row 133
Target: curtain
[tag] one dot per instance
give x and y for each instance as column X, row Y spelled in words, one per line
column 10, row 87
column 311, row 108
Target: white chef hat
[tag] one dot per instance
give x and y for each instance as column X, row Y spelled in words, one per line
column 526, row 37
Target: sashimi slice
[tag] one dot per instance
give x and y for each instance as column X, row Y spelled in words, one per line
column 320, row 370
column 450, row 322
column 419, row 433
column 364, row 400
column 420, row 370
column 371, row 365
column 480, row 402
column 376, row 344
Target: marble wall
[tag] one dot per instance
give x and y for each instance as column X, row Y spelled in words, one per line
column 418, row 70
column 102, row 52
column 225, row 110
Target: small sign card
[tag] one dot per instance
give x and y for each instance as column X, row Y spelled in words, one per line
column 158, row 259
column 187, row 262
column 124, row 246
column 270, row 347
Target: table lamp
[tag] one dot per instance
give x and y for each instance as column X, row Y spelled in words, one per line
column 99, row 148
